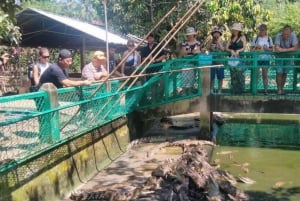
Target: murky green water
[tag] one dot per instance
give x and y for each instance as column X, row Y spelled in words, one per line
column 267, row 154
column 276, row 172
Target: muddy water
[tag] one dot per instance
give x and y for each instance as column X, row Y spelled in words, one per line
column 269, row 154
column 275, row 171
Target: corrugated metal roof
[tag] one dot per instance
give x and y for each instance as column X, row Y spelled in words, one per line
column 35, row 23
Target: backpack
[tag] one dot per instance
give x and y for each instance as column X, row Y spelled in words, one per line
column 30, row 73
column 269, row 40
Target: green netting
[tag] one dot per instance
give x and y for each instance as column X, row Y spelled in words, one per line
column 30, row 124
column 249, row 63
column 285, row 135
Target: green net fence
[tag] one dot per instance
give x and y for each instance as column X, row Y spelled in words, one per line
column 246, row 134
column 31, row 124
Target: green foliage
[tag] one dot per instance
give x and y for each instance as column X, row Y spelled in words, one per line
column 287, row 14
column 9, row 33
column 248, row 12
column 71, row 8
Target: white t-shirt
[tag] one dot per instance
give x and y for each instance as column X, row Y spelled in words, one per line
column 134, row 56
column 42, row 67
column 266, row 42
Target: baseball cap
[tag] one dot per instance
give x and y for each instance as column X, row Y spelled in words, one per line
column 64, row 53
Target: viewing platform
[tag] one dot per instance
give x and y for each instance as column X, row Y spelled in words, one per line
column 38, row 130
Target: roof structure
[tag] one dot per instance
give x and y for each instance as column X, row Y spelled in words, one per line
column 40, row 28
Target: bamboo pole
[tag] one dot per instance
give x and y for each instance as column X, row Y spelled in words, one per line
column 132, row 50
column 176, row 28
column 123, row 60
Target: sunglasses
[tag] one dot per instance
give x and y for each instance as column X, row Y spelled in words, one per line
column 45, row 57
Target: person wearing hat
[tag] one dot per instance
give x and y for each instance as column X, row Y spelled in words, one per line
column 216, row 45
column 96, row 69
column 132, row 60
column 262, row 42
column 57, row 73
column 235, row 45
column 189, row 47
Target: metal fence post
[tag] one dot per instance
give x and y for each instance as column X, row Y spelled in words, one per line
column 254, row 74
column 166, row 80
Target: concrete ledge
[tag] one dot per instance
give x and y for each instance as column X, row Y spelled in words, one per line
column 52, row 176
column 256, row 104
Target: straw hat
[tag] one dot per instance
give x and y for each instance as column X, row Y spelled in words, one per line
column 237, row 26
column 216, row 29
column 190, row 31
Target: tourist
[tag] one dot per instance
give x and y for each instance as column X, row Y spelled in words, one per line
column 216, row 45
column 262, row 42
column 286, row 41
column 190, row 46
column 4, row 58
column 96, row 69
column 132, row 60
column 57, row 73
column 39, row 68
column 113, row 62
column 235, row 45
column 154, row 54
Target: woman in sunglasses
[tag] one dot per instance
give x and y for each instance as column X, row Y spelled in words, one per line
column 40, row 66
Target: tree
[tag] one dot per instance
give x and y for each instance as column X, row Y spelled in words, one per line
column 248, row 12
column 285, row 15
column 81, row 10
column 9, row 33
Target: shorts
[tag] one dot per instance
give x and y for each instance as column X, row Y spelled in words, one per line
column 282, row 70
column 287, row 63
column 263, row 64
column 218, row 71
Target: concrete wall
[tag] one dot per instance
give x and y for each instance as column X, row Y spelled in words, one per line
column 52, row 176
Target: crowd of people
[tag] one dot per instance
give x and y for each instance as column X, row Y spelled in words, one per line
column 285, row 41
column 98, row 69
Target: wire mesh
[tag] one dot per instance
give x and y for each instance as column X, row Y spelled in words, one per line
column 30, row 124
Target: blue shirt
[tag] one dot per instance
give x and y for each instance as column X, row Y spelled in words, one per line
column 290, row 42
column 55, row 75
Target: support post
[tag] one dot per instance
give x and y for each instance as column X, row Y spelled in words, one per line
column 82, row 51
column 254, row 74
column 49, row 123
column 205, row 113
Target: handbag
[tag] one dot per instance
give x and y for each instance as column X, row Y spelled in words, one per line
column 233, row 61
